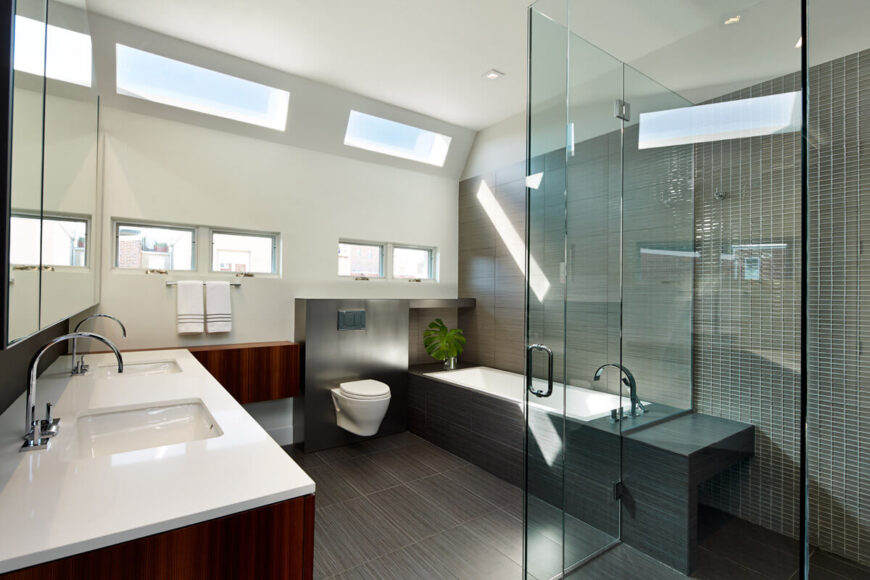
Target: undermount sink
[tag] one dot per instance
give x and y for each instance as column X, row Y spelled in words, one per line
column 144, row 427
column 137, row 369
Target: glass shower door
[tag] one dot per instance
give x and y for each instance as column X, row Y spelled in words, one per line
column 573, row 297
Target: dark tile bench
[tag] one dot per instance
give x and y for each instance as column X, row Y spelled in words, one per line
column 663, row 461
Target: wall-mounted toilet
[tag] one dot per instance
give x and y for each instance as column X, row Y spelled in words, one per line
column 360, row 406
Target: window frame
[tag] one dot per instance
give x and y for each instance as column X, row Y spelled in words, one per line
column 387, row 260
column 276, row 249
column 58, row 218
column 431, row 265
column 119, row 223
column 383, row 261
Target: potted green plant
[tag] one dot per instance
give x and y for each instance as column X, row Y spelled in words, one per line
column 443, row 343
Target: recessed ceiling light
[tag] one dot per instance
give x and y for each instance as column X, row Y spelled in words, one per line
column 733, row 20
column 493, row 74
column 800, row 42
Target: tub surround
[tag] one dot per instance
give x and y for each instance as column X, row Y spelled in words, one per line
column 89, row 503
column 666, row 457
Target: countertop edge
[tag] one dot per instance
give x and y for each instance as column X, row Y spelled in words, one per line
column 91, row 544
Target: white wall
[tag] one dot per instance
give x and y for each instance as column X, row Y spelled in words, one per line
column 165, row 171
column 497, row 147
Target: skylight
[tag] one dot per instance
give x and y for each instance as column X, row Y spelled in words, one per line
column 396, row 139
column 150, row 77
column 752, row 117
column 69, row 52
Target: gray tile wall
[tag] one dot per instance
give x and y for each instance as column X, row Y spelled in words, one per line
column 656, row 320
column 488, row 272
column 418, row 321
column 747, row 331
column 839, row 402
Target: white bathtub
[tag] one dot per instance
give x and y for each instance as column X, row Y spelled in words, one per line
column 582, row 403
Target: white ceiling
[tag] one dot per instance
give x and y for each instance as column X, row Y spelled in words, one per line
column 424, row 55
column 429, row 56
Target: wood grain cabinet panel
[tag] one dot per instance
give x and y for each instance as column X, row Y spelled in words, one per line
column 274, row 542
column 251, row 372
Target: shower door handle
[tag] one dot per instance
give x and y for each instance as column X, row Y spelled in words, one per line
column 529, row 351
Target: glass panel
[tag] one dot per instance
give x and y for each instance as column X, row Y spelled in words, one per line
column 154, row 248
column 69, row 168
column 838, row 361
column 64, row 242
column 243, row 253
column 593, row 277
column 658, row 253
column 364, row 260
column 413, row 263
column 151, row 77
column 396, row 139
column 69, row 52
column 545, row 415
column 26, row 169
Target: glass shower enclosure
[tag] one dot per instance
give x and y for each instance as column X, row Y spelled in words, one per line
column 644, row 277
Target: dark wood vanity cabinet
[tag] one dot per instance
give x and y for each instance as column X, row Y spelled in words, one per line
column 273, row 542
column 254, row 371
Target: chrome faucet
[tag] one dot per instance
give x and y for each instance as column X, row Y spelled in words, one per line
column 81, row 368
column 38, row 432
column 627, row 380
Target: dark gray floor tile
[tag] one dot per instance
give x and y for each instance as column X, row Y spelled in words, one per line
column 339, row 543
column 304, row 460
column 331, row 487
column 404, row 439
column 400, row 565
column 339, row 454
column 363, row 474
column 754, row 547
column 465, row 556
column 375, row 445
column 498, row 491
column 409, row 511
column 378, row 532
column 501, row 531
column 351, row 533
column 435, row 457
column 545, row 556
column 402, row 464
column 624, row 562
column 711, row 566
column 581, row 539
column 457, row 501
column 728, row 527
column 827, row 565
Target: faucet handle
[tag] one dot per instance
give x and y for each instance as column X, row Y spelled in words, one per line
column 49, row 427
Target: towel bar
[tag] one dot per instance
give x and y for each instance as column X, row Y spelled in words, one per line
column 174, row 283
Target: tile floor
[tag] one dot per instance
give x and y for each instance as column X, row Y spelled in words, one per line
column 401, row 508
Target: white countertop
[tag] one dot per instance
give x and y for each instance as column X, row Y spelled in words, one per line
column 54, row 504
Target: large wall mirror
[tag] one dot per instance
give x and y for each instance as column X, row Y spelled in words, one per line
column 52, row 254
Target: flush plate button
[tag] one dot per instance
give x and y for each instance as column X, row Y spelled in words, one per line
column 351, row 319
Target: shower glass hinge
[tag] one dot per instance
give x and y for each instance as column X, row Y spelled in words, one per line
column 618, row 490
column 621, row 110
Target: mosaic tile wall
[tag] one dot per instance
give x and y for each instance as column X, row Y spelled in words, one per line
column 747, row 307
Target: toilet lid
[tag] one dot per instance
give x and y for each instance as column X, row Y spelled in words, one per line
column 364, row 389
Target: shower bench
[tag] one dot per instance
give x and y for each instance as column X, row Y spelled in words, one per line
column 663, row 466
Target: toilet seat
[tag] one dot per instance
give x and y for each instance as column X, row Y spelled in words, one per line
column 366, row 390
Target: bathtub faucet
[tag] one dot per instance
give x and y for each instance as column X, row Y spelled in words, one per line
column 627, row 380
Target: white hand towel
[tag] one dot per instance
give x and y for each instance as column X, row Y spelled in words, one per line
column 190, row 307
column 218, row 307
